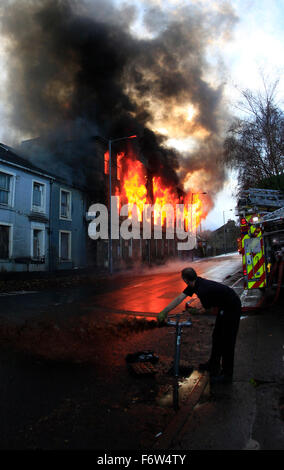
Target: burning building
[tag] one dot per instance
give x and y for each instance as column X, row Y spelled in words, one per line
column 101, row 68
column 135, row 185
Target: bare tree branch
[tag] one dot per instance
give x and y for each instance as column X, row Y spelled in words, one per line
column 255, row 144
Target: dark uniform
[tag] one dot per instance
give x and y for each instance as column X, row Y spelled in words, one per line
column 214, row 294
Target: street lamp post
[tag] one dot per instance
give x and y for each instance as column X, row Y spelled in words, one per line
column 225, row 248
column 192, row 194
column 110, row 142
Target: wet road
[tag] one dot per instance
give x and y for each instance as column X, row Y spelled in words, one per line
column 141, row 292
column 151, row 293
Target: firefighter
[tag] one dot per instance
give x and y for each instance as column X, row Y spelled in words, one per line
column 227, row 305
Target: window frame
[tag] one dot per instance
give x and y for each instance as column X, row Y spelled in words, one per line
column 42, row 208
column 11, row 193
column 10, row 247
column 69, row 216
column 69, row 232
column 42, row 228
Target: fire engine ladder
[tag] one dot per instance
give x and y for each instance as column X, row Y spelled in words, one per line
column 254, row 197
column 273, row 216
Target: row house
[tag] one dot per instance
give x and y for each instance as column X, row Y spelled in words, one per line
column 42, row 224
column 44, row 218
column 133, row 252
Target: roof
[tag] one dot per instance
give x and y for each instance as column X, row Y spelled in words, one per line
column 8, row 155
column 228, row 224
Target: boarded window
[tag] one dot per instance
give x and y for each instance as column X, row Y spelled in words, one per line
column 4, row 188
column 4, row 241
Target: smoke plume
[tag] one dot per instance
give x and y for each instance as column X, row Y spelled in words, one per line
column 99, row 67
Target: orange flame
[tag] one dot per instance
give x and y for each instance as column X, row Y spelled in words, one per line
column 193, row 211
column 133, row 188
column 106, row 163
column 131, row 174
column 162, row 195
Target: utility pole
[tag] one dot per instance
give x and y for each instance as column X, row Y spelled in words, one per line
column 192, row 194
column 225, row 247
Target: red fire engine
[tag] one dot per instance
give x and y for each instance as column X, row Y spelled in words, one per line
column 261, row 245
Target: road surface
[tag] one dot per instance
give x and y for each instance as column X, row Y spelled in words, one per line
column 144, row 291
column 151, row 293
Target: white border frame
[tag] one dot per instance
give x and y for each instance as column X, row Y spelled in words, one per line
column 69, row 247
column 70, row 208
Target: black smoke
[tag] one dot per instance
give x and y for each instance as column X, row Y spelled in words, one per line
column 78, row 69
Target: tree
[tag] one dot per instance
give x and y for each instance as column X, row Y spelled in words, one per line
column 255, row 144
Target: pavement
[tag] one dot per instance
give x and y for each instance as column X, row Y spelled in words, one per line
column 249, row 413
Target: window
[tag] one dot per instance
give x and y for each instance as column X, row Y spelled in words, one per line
column 5, row 237
column 38, row 241
column 37, row 244
column 64, row 245
column 38, row 198
column 65, row 204
column 5, row 188
column 106, row 163
column 119, row 157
